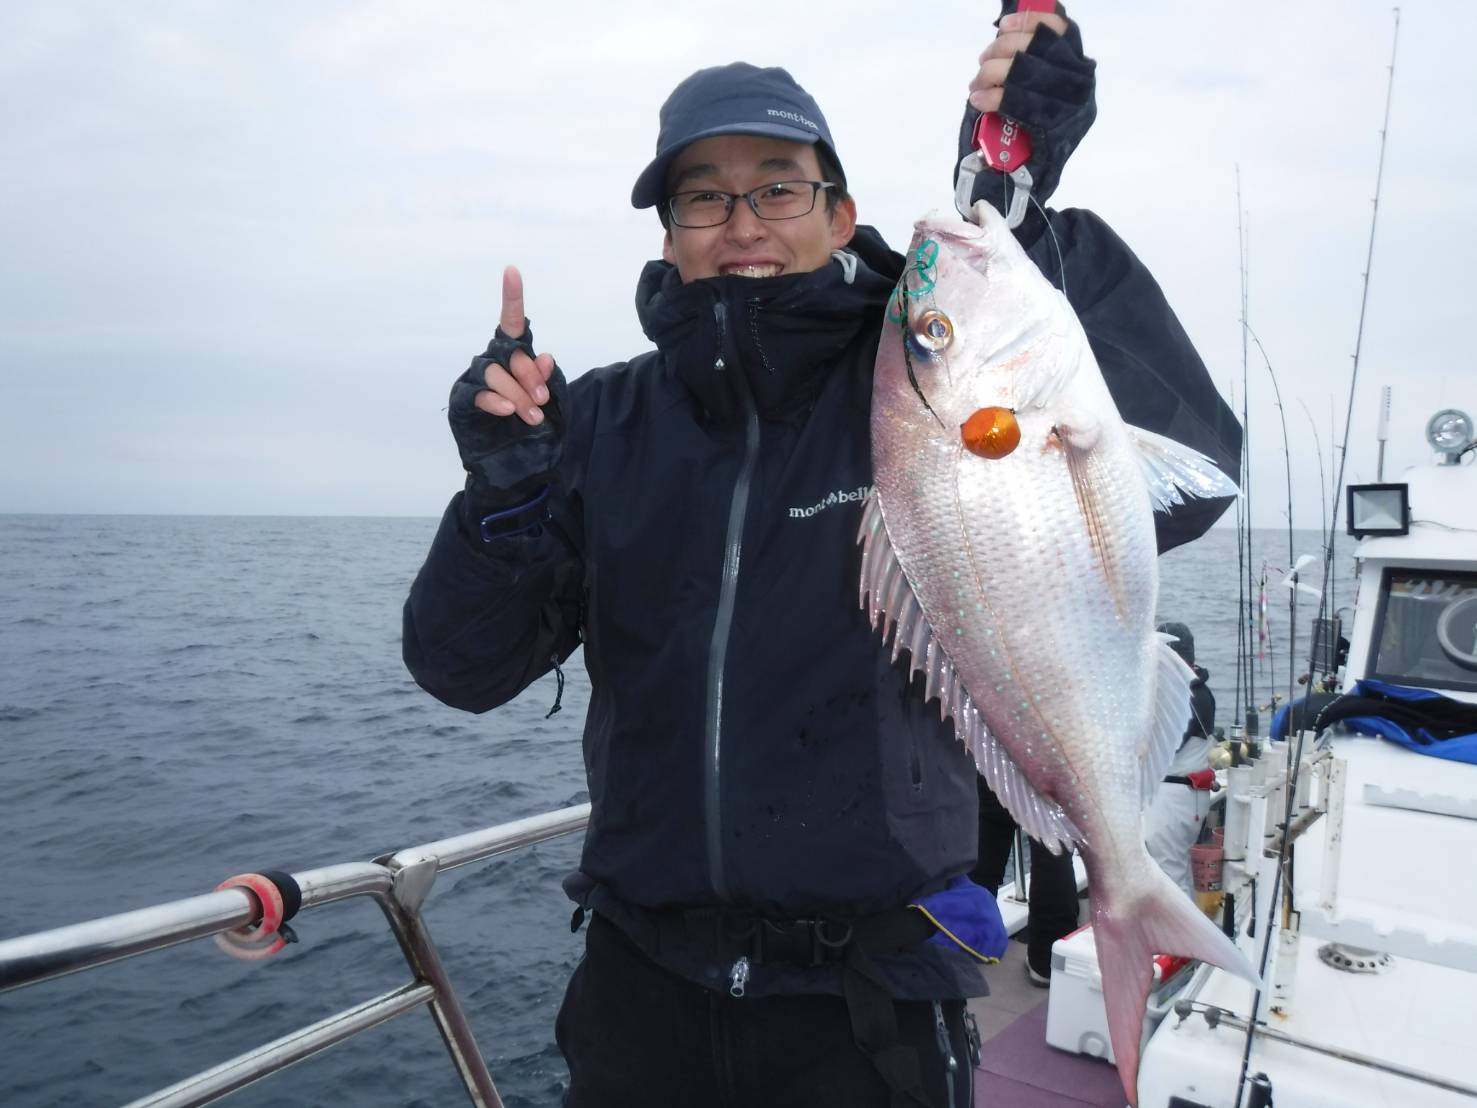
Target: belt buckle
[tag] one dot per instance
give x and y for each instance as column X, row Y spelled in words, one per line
column 812, row 942
column 801, row 942
column 789, row 941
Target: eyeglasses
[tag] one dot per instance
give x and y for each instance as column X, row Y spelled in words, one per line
column 710, row 208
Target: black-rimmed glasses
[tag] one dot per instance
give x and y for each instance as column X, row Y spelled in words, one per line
column 710, row 208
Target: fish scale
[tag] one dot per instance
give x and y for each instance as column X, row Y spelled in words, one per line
column 1021, row 580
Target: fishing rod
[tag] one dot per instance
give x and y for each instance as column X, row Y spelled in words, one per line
column 1322, row 477
column 1243, row 535
column 1323, row 539
column 1241, row 655
column 1284, row 855
column 1333, row 492
column 1291, row 557
column 1324, row 600
column 1295, row 748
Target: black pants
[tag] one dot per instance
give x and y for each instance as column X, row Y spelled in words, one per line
column 635, row 1034
column 1053, row 886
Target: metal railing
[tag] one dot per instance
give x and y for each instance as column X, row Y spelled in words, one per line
column 398, row 883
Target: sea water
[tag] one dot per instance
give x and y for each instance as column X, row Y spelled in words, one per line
column 185, row 698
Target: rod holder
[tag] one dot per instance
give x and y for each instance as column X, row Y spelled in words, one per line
column 1237, row 811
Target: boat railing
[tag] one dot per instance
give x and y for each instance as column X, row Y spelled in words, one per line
column 399, row 883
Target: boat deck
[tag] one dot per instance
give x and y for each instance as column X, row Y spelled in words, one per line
column 1400, row 1037
column 1018, row 1067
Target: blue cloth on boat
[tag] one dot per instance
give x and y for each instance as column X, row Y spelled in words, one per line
column 968, row 917
column 1419, row 719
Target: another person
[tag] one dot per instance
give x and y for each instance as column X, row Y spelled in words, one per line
column 770, row 793
column 1051, row 898
column 1174, row 817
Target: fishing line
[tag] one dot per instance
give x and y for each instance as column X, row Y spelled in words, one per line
column 925, row 263
column 1061, row 266
column 913, row 378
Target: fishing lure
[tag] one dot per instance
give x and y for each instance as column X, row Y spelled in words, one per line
column 1263, row 628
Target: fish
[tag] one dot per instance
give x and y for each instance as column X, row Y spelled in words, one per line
column 1008, row 549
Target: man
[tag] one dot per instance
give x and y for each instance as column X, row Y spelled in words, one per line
column 1173, row 819
column 769, row 792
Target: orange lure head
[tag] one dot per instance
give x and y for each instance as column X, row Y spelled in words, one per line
column 991, row 432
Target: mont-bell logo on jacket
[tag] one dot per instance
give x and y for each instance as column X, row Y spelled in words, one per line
column 840, row 496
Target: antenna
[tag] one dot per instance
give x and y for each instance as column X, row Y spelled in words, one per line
column 1384, row 431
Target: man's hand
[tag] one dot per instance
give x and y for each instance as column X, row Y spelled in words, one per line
column 1016, row 30
column 522, row 387
column 508, row 459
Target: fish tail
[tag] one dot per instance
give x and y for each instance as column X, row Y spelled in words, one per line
column 1163, row 921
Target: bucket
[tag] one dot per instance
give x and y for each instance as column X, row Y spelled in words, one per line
column 1205, row 873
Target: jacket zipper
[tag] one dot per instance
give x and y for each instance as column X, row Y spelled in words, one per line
column 723, row 621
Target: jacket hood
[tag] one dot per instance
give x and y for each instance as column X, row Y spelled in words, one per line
column 771, row 338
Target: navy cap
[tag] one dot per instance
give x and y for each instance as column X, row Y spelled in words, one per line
column 736, row 99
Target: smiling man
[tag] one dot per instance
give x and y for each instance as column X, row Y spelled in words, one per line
column 747, row 206
column 770, row 807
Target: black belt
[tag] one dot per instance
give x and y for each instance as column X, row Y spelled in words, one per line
column 805, row 942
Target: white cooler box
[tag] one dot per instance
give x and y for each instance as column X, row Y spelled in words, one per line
column 1076, row 1019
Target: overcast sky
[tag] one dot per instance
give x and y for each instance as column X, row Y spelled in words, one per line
column 244, row 248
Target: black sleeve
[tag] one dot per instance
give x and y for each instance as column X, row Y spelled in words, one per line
column 1051, row 91
column 485, row 620
column 1157, row 379
column 1202, row 713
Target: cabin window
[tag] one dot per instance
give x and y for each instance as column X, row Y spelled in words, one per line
column 1427, row 631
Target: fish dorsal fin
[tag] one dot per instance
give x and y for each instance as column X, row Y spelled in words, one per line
column 1173, row 470
column 1172, row 679
column 892, row 607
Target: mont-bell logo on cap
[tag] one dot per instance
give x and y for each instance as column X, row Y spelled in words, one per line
column 793, row 117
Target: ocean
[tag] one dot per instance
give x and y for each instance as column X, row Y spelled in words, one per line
column 183, row 698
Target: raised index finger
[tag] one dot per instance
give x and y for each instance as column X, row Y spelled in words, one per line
column 511, row 320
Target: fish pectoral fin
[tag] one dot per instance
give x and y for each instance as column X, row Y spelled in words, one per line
column 1056, row 352
column 1173, row 470
column 1172, row 679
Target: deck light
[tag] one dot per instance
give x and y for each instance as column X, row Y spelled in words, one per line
column 1449, row 432
column 1379, row 510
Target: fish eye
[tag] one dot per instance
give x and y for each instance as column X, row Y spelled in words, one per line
column 933, row 331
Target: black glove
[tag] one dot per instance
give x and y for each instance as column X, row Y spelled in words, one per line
column 508, row 462
column 1050, row 92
